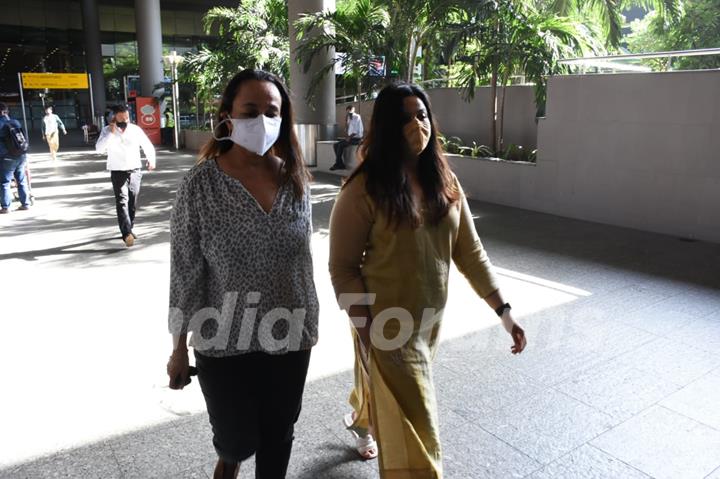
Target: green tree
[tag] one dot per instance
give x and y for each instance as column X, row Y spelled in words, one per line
column 643, row 38
column 398, row 30
column 114, row 70
column 501, row 38
column 604, row 17
column 356, row 31
column 252, row 35
column 697, row 27
column 418, row 25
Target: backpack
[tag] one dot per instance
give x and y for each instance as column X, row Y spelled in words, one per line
column 16, row 142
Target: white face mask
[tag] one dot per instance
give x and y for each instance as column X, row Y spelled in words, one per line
column 254, row 134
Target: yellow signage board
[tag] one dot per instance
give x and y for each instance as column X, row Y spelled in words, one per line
column 55, row 81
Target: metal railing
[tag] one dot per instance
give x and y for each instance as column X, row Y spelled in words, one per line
column 608, row 62
column 633, row 56
column 426, row 84
column 366, row 95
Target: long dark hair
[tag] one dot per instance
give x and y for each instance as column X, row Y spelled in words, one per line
column 286, row 147
column 383, row 153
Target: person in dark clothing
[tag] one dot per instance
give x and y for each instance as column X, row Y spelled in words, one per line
column 122, row 141
column 11, row 165
column 168, row 129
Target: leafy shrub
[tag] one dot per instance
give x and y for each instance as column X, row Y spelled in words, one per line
column 512, row 152
column 478, row 151
column 451, row 145
column 518, row 153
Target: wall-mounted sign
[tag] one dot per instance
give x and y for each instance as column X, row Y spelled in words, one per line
column 55, row 81
column 376, row 66
column 147, row 110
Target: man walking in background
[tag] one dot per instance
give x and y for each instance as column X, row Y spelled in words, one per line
column 169, row 128
column 13, row 161
column 122, row 141
column 354, row 133
column 51, row 126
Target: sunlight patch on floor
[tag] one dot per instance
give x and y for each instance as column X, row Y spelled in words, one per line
column 86, row 347
column 465, row 312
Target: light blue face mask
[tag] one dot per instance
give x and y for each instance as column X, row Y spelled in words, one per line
column 257, row 134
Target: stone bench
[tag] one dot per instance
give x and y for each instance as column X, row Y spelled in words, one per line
column 325, row 154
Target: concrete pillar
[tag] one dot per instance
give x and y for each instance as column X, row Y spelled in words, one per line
column 93, row 53
column 322, row 111
column 149, row 40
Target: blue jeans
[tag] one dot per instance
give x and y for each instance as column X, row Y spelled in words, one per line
column 9, row 168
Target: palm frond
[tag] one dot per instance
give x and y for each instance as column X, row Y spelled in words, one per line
column 611, row 19
column 667, row 9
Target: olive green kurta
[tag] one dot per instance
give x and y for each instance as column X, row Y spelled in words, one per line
column 405, row 268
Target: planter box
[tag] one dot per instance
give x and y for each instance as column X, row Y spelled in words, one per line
column 495, row 180
column 195, row 139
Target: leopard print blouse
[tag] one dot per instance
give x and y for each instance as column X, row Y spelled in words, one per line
column 241, row 279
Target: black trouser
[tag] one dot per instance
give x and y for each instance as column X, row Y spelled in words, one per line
column 340, row 146
column 253, row 401
column 126, row 186
column 168, row 136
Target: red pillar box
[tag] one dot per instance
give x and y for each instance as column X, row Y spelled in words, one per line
column 148, row 117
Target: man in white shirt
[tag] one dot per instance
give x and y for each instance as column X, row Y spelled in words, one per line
column 122, row 141
column 354, row 132
column 51, row 126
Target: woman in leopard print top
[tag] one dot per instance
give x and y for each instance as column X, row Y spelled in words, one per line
column 242, row 278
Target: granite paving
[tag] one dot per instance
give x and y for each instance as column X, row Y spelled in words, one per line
column 620, row 379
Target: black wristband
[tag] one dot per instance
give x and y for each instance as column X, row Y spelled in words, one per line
column 500, row 310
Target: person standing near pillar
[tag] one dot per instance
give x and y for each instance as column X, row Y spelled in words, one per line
column 122, row 141
column 51, row 126
column 354, row 133
column 167, row 131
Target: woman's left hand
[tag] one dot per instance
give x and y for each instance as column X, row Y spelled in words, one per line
column 518, row 335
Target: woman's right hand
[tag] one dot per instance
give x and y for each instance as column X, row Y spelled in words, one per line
column 178, row 368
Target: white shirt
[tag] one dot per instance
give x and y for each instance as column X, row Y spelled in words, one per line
column 51, row 123
column 123, row 148
column 355, row 126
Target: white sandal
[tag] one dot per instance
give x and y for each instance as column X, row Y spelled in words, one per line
column 365, row 445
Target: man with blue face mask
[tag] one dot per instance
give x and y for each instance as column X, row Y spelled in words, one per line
column 122, row 141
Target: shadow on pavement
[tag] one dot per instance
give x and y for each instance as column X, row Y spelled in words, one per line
column 76, row 248
column 649, row 269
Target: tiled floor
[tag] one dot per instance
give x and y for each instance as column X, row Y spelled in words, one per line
column 621, row 378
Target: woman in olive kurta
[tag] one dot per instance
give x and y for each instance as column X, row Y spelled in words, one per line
column 396, row 225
